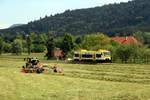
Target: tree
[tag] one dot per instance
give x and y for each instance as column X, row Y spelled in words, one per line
column 50, row 45
column 24, row 46
column 29, row 43
column 33, row 36
column 147, row 38
column 67, row 44
column 7, row 47
column 58, row 41
column 124, row 52
column 139, row 36
column 1, row 45
column 37, row 48
column 38, row 42
column 145, row 55
column 19, row 36
column 79, row 39
column 95, row 41
column 17, row 47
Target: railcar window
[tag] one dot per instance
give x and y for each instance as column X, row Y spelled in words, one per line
column 98, row 55
column 76, row 55
column 87, row 55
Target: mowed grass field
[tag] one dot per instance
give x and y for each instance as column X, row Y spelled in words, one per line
column 80, row 82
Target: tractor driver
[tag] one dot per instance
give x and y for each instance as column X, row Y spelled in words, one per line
column 34, row 61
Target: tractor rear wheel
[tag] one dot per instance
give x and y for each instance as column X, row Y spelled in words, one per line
column 39, row 70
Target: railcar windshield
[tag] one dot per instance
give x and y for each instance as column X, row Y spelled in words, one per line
column 107, row 54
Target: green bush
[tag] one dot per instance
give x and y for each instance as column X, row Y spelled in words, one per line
column 7, row 47
column 37, row 48
column 124, row 52
column 17, row 47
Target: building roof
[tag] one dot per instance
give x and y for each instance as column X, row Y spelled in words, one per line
column 125, row 40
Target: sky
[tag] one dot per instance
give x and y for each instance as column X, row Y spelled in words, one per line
column 24, row 11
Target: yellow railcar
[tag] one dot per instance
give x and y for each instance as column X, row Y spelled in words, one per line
column 85, row 55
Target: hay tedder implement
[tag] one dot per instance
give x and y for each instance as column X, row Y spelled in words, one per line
column 33, row 65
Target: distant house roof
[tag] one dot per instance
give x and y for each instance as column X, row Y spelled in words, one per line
column 125, row 40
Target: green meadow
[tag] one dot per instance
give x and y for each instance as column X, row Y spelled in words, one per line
column 80, row 81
